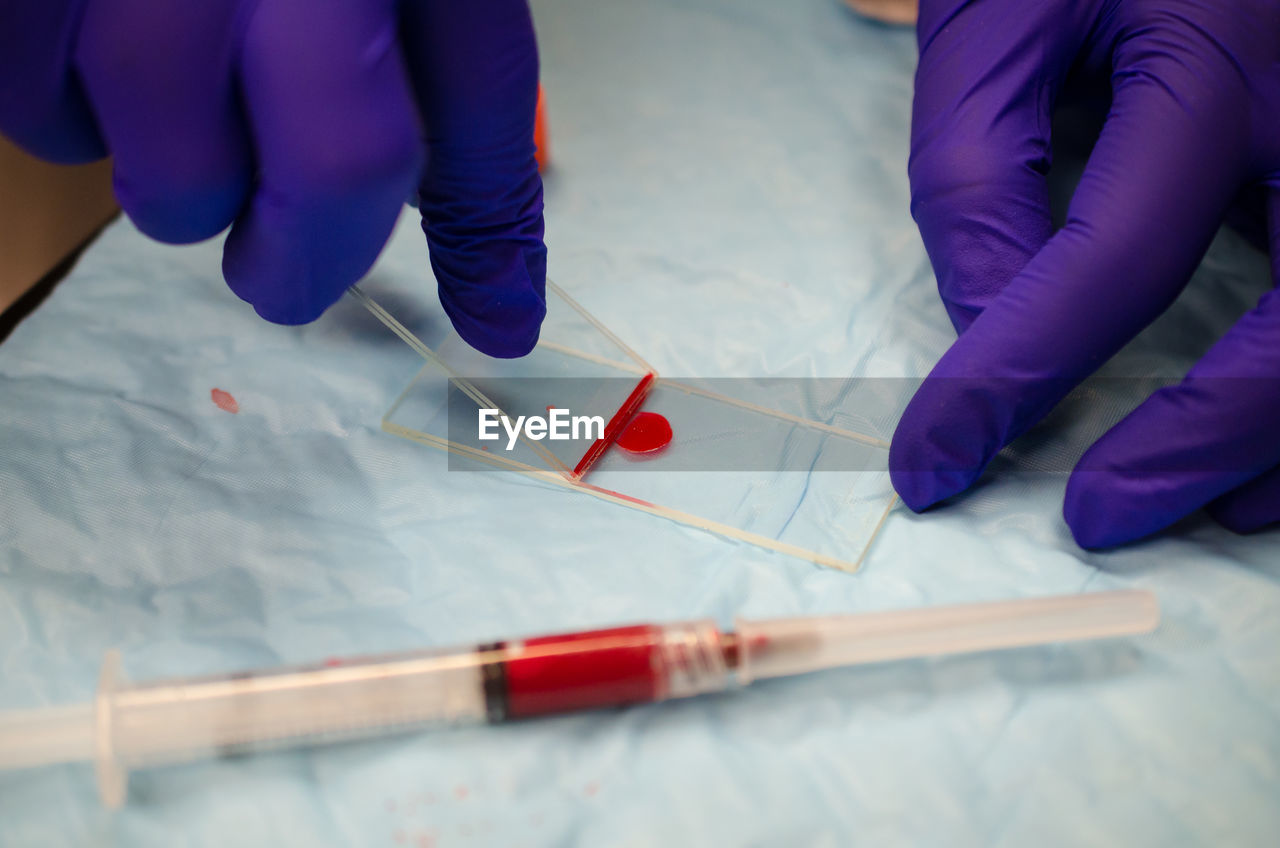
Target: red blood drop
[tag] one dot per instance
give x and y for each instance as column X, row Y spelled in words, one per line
column 224, row 401
column 647, row 432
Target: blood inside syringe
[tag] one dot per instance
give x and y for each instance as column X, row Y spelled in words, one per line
column 595, row 669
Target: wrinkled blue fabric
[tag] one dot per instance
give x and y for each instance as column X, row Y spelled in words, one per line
column 1194, row 121
column 303, row 128
column 729, row 196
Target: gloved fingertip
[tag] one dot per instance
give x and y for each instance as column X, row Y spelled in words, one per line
column 915, row 488
column 922, row 490
column 1093, row 521
column 182, row 216
column 1252, row 507
column 291, row 315
column 1104, row 509
column 494, row 292
column 1237, row 520
column 931, row 457
column 505, row 325
column 276, row 288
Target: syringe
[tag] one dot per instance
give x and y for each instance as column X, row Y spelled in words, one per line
column 129, row 726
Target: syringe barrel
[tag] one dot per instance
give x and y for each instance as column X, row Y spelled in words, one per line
column 183, row 719
column 170, row 721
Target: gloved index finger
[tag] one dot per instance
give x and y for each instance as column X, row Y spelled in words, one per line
column 474, row 69
column 1163, row 173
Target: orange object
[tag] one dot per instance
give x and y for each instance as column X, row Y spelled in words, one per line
column 541, row 151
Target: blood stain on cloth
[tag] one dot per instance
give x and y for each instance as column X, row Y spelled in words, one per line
column 224, row 401
column 648, row 432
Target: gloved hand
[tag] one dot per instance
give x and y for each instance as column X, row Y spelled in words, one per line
column 1195, row 117
column 304, row 126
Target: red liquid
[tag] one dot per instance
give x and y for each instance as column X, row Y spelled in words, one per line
column 224, row 401
column 615, row 425
column 647, row 432
column 601, row 668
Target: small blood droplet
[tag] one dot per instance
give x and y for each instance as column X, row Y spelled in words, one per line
column 647, row 432
column 224, row 401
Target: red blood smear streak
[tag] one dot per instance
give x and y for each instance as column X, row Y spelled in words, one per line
column 647, row 432
column 582, row 671
column 615, row 425
column 627, row 498
column 224, row 401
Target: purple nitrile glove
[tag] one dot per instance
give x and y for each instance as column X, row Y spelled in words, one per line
column 1195, row 117
column 304, row 126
